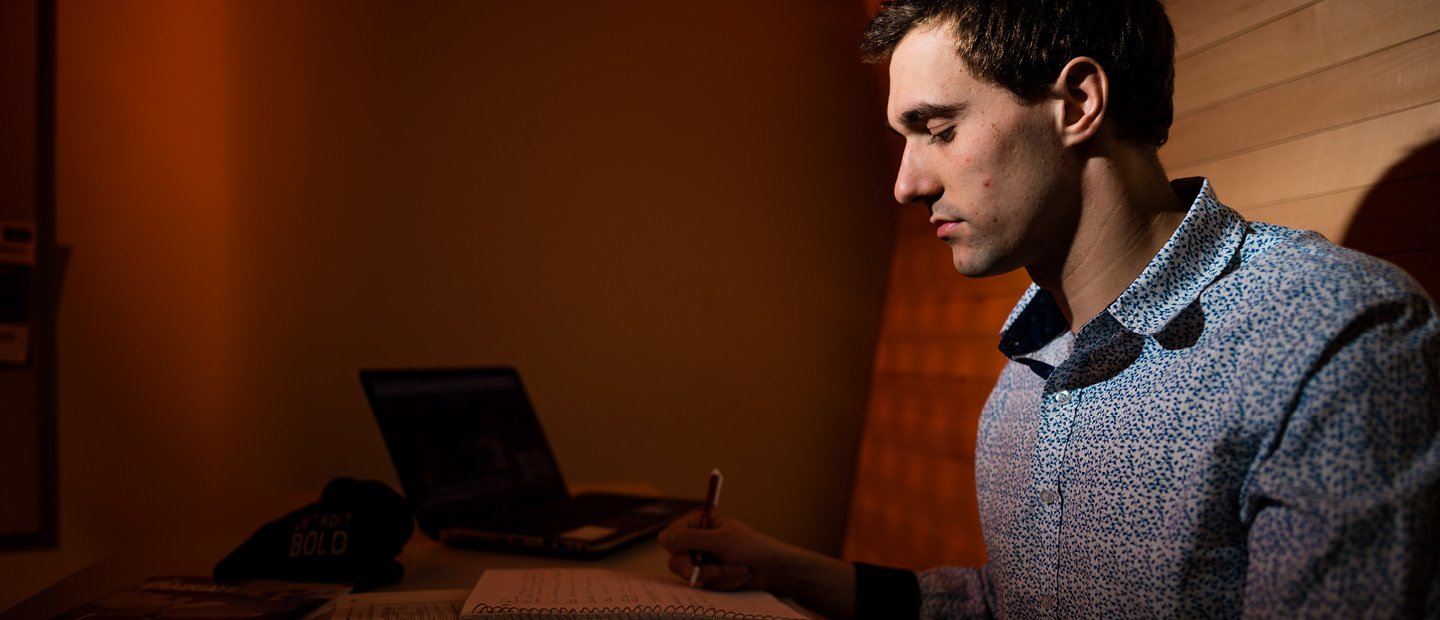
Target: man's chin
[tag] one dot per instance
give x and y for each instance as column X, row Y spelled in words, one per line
column 977, row 267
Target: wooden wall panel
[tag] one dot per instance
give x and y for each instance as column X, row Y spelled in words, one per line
column 1327, row 117
column 1323, row 34
column 1327, row 214
column 1202, row 24
column 1320, row 114
column 1343, row 158
column 1394, row 80
column 1405, row 201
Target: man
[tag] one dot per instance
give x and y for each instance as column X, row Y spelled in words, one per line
column 1202, row 416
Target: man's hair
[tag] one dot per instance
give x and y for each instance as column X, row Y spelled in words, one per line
column 1023, row 44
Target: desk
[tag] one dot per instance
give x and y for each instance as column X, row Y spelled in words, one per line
column 428, row 564
column 432, row 566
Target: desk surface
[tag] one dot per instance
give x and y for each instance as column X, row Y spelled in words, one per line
column 432, row 566
column 428, row 565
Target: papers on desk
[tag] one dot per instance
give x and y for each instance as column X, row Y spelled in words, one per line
column 553, row 593
column 600, row 593
column 413, row 605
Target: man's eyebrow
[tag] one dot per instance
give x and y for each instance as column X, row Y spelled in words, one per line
column 922, row 113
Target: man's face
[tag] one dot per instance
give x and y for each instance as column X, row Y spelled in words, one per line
column 988, row 165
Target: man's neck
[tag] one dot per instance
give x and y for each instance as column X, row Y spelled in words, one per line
column 1128, row 211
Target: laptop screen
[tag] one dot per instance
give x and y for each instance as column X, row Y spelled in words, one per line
column 465, row 442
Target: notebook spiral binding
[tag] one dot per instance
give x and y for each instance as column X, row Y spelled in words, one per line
column 644, row 612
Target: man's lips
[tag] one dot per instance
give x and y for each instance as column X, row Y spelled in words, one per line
column 945, row 228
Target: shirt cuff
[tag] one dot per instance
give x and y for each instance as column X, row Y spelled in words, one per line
column 883, row 592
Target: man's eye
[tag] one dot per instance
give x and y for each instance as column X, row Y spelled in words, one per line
column 944, row 136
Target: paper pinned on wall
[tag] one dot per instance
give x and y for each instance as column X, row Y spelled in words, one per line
column 17, row 243
column 14, row 344
column 17, row 263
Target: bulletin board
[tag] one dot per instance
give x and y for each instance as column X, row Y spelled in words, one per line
column 29, row 277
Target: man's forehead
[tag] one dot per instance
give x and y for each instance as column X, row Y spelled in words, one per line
column 926, row 70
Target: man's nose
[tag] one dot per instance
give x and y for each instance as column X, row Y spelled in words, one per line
column 914, row 183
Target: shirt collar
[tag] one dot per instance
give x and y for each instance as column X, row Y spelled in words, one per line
column 1196, row 254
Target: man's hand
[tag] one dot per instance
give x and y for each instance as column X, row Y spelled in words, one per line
column 746, row 559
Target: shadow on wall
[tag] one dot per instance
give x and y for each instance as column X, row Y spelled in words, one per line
column 1398, row 220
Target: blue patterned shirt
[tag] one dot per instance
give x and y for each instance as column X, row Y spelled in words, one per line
column 1249, row 429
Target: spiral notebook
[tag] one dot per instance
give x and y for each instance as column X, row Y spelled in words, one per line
column 599, row 593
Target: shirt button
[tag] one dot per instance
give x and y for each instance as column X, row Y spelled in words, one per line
column 1046, row 602
column 1048, row 496
column 1063, row 396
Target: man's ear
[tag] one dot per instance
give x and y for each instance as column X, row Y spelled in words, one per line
column 1083, row 92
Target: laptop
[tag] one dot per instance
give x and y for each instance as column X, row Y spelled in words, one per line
column 477, row 470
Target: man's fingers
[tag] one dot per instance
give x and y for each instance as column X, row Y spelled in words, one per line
column 680, row 564
column 684, row 537
column 677, row 539
column 725, row 576
column 712, row 576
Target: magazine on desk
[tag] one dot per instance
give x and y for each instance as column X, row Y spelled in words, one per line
column 200, row 598
column 599, row 593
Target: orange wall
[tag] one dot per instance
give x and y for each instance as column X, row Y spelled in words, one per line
column 674, row 218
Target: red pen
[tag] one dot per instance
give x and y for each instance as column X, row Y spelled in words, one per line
column 712, row 498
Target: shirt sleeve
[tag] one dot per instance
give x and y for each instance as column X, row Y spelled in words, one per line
column 956, row 592
column 882, row 592
column 1344, row 498
column 944, row 592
